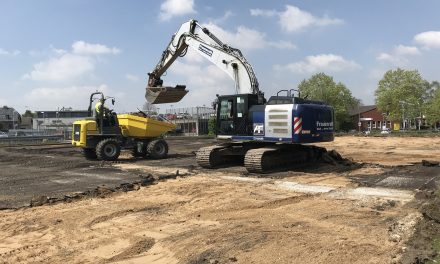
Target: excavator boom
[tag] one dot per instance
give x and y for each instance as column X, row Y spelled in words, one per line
column 205, row 43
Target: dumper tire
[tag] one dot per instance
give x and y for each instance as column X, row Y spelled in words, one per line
column 157, row 149
column 108, row 149
column 90, row 154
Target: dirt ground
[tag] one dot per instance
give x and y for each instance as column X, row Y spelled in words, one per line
column 367, row 212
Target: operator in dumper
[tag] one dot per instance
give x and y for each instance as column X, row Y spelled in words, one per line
column 106, row 113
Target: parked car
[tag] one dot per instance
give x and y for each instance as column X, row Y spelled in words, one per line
column 385, row 131
column 171, row 116
column 3, row 134
column 183, row 116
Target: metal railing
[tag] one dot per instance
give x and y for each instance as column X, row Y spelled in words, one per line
column 191, row 121
column 31, row 140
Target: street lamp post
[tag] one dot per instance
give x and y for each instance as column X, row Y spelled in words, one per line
column 13, row 120
column 44, row 121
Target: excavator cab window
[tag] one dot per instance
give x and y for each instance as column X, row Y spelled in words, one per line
column 226, row 109
column 226, row 116
column 233, row 114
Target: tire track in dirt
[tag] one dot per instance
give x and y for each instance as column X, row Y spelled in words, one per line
column 104, row 218
column 136, row 249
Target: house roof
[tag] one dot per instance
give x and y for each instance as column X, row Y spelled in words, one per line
column 6, row 110
column 361, row 109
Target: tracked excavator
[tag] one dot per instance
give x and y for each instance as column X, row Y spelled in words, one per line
column 264, row 135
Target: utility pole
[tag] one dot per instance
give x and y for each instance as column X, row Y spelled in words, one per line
column 13, row 119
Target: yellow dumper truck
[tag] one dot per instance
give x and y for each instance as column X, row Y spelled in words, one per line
column 103, row 134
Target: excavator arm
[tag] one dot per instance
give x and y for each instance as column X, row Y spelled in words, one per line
column 201, row 40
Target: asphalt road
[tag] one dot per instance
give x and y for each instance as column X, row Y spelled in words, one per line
column 29, row 172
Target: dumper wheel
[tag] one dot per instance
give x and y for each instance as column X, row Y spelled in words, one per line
column 108, row 149
column 157, row 149
column 90, row 153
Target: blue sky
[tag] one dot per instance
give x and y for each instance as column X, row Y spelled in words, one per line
column 54, row 53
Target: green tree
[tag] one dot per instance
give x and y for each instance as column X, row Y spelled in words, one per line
column 28, row 113
column 402, row 93
column 211, row 126
column 322, row 87
column 432, row 106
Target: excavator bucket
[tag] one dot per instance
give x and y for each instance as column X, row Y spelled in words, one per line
column 164, row 95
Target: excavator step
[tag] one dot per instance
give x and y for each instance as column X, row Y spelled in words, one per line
column 164, row 95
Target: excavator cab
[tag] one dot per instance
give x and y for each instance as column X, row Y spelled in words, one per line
column 233, row 116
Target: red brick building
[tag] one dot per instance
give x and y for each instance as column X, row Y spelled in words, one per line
column 367, row 117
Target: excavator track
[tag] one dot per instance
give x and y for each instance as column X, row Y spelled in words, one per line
column 280, row 157
column 210, row 157
column 255, row 162
column 258, row 158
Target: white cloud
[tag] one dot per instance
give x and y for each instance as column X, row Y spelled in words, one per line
column 282, row 45
column 398, row 56
column 132, row 77
column 263, row 12
column 69, row 96
column 203, row 80
column 225, row 17
column 242, row 38
column 406, row 50
column 47, row 52
column 9, row 53
column 66, row 67
column 171, row 8
column 84, row 48
column 428, row 39
column 294, row 19
column 247, row 38
column 321, row 62
column 57, row 51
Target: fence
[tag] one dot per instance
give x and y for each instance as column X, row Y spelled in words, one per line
column 65, row 132
column 30, row 140
column 191, row 121
column 35, row 136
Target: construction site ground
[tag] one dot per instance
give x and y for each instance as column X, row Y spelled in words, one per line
column 380, row 207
